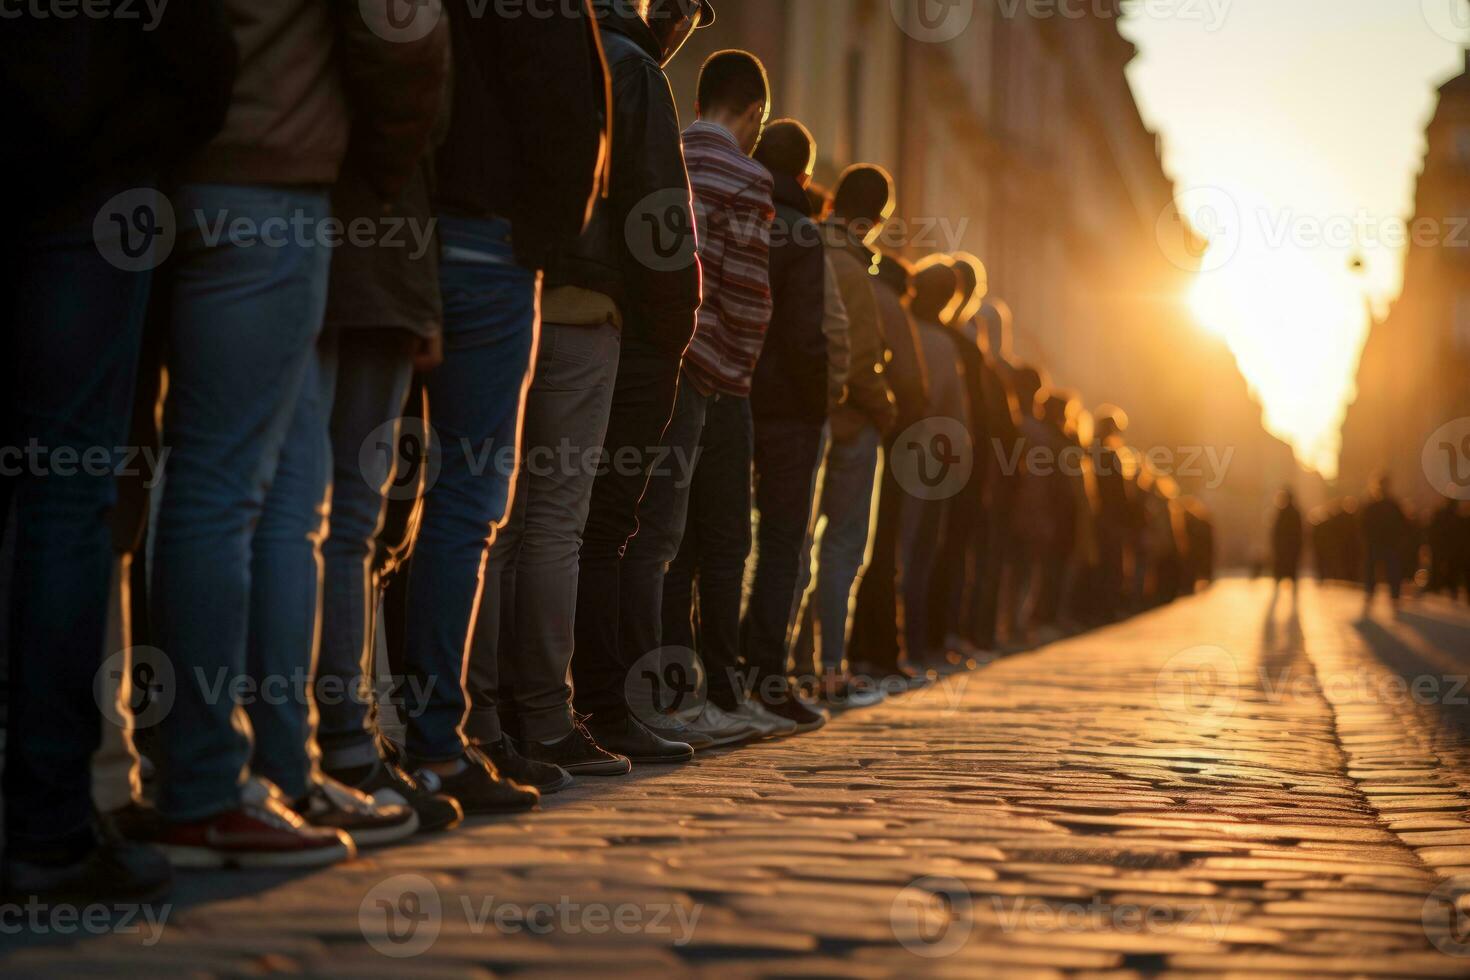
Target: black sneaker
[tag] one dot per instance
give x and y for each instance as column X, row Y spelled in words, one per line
column 330, row 804
column 794, row 709
column 578, row 753
column 545, row 776
column 136, row 821
column 628, row 736
column 114, row 869
column 388, row 784
column 479, row 788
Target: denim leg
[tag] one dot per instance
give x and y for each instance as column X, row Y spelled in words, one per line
column 847, row 504
column 242, row 335
column 490, row 322
column 285, row 589
column 662, row 514
column 719, row 515
column 71, row 334
column 371, row 386
column 784, row 477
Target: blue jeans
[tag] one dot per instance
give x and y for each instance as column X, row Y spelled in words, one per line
column 72, row 325
column 372, row 380
column 848, row 477
column 475, row 399
column 235, row 574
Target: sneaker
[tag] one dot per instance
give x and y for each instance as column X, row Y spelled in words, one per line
column 262, row 832
column 578, row 753
column 135, row 821
column 479, row 787
column 840, row 692
column 723, row 728
column 677, row 731
column 629, row 737
column 545, row 776
column 793, row 708
column 115, row 869
column 389, row 785
column 369, row 823
column 769, row 725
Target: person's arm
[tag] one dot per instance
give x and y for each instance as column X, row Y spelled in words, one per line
column 651, row 201
column 867, row 388
column 806, row 339
column 835, row 329
column 394, row 86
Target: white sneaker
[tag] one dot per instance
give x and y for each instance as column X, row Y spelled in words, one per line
column 769, row 724
column 722, row 727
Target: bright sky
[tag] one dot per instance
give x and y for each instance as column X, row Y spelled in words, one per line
column 1295, row 131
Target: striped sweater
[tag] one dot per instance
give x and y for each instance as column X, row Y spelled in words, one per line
column 733, row 214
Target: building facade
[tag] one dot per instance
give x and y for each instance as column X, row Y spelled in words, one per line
column 1414, row 378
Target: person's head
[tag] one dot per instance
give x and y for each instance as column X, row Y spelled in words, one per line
column 788, row 150
column 672, row 21
column 864, row 199
column 935, row 285
column 1054, row 407
column 1026, row 383
column 735, row 93
column 995, row 339
column 1111, row 423
column 974, row 285
column 1381, row 486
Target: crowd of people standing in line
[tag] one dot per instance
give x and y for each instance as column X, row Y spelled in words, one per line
column 1376, row 541
column 756, row 417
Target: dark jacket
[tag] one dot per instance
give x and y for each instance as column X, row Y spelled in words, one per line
column 649, row 184
column 906, row 371
column 869, row 399
column 790, row 381
column 315, row 74
column 528, row 139
column 91, row 99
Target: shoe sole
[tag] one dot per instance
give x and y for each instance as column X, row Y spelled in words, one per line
column 208, row 859
column 379, row 836
column 662, row 760
column 440, row 826
column 621, row 768
column 738, row 738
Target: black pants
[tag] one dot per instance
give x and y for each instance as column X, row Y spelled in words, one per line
column 876, row 620
column 702, row 589
column 643, row 398
column 786, row 454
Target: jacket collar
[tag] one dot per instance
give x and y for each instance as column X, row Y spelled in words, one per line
column 841, row 234
column 618, row 17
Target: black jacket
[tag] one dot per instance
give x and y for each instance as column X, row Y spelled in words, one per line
column 790, row 381
column 528, row 135
column 648, row 183
column 109, row 99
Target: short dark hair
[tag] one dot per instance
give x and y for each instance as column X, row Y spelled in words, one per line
column 733, row 80
column 787, row 148
column 865, row 190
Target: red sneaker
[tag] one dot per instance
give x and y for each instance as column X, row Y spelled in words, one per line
column 263, row 832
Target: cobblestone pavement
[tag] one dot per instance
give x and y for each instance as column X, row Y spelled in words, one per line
column 1224, row 787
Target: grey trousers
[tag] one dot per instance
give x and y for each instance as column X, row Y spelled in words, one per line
column 521, row 646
